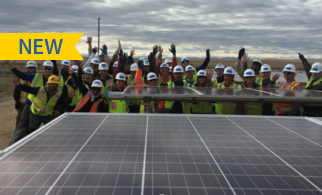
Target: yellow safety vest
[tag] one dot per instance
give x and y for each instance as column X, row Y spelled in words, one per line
column 315, row 83
column 118, row 106
column 185, row 106
column 184, row 75
column 40, row 106
column 226, row 107
column 259, row 81
column 23, row 95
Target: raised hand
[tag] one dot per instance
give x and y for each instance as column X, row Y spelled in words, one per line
column 104, row 50
column 245, row 58
column 140, row 65
column 16, row 81
column 119, row 42
column 173, row 49
column 89, row 40
column 210, row 74
column 241, row 53
column 71, row 94
column 94, row 50
column 160, row 49
column 132, row 52
column 108, row 83
column 301, row 56
column 208, row 53
column 10, row 65
column 155, row 50
column 275, row 77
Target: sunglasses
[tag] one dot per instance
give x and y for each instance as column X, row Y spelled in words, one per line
column 287, row 72
column 96, row 88
column 201, row 77
column 153, row 80
column 47, row 68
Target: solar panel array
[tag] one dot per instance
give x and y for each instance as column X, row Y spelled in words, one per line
column 125, row 154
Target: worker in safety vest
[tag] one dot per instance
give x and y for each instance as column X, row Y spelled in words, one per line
column 64, row 75
column 229, row 107
column 219, row 69
column 251, row 108
column 203, row 81
column 134, row 107
column 45, row 101
column 241, row 64
column 20, row 96
column 104, row 76
column 94, row 66
column 164, row 69
column 191, row 78
column 289, row 72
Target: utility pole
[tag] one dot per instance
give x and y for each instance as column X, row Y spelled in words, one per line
column 98, row 35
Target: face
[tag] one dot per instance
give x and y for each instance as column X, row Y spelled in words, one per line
column 133, row 73
column 202, row 80
column 114, row 68
column 266, row 75
column 94, row 67
column 96, row 90
column 76, row 62
column 229, row 79
column 249, row 80
column 317, row 76
column 170, row 64
column 127, row 67
column 88, row 78
column 65, row 68
column 119, row 83
column 52, row 87
column 219, row 72
column 146, row 68
column 164, row 70
column 101, row 58
column 289, row 76
column 153, row 82
column 185, row 63
column 256, row 66
column 47, row 71
column 31, row 70
column 178, row 76
column 190, row 73
column 103, row 73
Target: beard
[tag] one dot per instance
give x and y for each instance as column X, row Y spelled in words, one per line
column 64, row 72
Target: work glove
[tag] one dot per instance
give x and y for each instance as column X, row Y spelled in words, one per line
column 104, row 50
column 155, row 50
column 140, row 65
column 208, row 53
column 301, row 56
column 94, row 50
column 120, row 53
column 173, row 49
column 241, row 53
column 151, row 57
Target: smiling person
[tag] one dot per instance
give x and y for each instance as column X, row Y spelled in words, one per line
column 251, row 108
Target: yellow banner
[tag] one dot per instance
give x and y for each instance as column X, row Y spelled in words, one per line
column 39, row 46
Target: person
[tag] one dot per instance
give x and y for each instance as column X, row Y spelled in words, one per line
column 229, row 107
column 185, row 62
column 114, row 66
column 19, row 96
column 134, row 107
column 251, row 108
column 178, row 78
column 290, row 109
column 191, row 78
column 164, row 69
column 88, row 76
column 45, row 101
column 219, row 69
column 203, row 80
column 72, row 86
column 241, row 64
column 63, row 76
column 94, row 65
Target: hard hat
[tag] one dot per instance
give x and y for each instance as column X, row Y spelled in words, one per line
column 97, row 83
column 48, row 64
column 164, row 65
column 115, row 64
column 266, row 68
column 120, row 76
column 249, row 73
column 258, row 61
column 189, row 67
column 134, row 67
column 53, row 79
column 75, row 68
column 202, row 73
column 184, row 59
column 170, row 69
column 289, row 68
column 95, row 61
column 316, row 67
column 88, row 70
column 102, row 66
column 152, row 76
column 146, row 63
column 219, row 66
column 178, row 69
column 65, row 62
column 142, row 59
column 168, row 60
column 31, row 64
column 229, row 70
column 101, row 54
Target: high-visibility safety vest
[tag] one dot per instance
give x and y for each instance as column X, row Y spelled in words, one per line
column 226, row 107
column 171, row 84
column 118, row 106
column 40, row 106
column 23, row 95
column 84, row 100
column 78, row 95
column 155, row 109
column 160, row 80
column 185, row 75
column 194, row 81
column 285, row 108
column 259, row 81
column 61, row 82
column 315, row 83
column 253, row 108
column 215, row 82
column 129, row 80
column 202, row 107
column 185, row 106
column 104, row 88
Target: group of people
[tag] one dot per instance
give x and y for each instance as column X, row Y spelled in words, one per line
column 40, row 97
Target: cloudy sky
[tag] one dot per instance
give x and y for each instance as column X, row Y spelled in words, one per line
column 267, row 29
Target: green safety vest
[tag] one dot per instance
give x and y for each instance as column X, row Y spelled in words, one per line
column 104, row 89
column 117, row 106
column 259, row 81
column 185, row 106
column 23, row 95
column 226, row 107
column 40, row 106
column 171, row 84
column 315, row 83
column 202, row 107
column 253, row 108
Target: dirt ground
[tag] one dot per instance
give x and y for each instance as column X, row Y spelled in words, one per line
column 8, row 118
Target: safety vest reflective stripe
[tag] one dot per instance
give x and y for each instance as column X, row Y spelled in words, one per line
column 23, row 95
column 258, row 81
column 60, row 81
column 82, row 102
column 253, row 106
column 113, row 105
column 95, row 105
column 41, row 107
column 42, row 94
column 37, row 80
column 285, row 109
column 137, row 80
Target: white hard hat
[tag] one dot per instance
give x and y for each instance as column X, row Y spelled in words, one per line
column 65, row 62
column 170, row 69
column 249, row 73
column 257, row 60
column 168, row 60
column 101, row 54
column 134, row 67
column 142, row 59
column 189, row 67
column 151, row 76
column 289, row 68
column 115, row 64
column 184, row 59
column 75, row 68
column 164, row 65
column 316, row 67
column 178, row 69
column 120, row 76
column 146, row 63
column 31, row 64
column 229, row 70
column 48, row 63
column 95, row 61
column 102, row 66
column 88, row 70
column 266, row 68
column 219, row 66
column 97, row 83
column 202, row 73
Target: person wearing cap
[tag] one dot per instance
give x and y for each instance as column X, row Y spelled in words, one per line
column 289, row 72
column 219, row 69
column 104, row 76
column 185, row 62
column 191, row 78
column 203, row 80
column 134, row 107
column 87, row 76
column 178, row 73
column 46, row 100
column 20, row 97
column 229, row 107
column 164, row 69
column 94, row 65
column 251, row 108
column 65, row 65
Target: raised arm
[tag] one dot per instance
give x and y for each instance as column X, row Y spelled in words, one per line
column 88, row 62
column 55, row 70
column 205, row 63
column 19, row 74
column 25, row 88
column 174, row 59
column 80, row 83
column 306, row 66
column 106, row 58
column 239, row 63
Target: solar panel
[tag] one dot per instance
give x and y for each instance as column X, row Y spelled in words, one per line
column 166, row 154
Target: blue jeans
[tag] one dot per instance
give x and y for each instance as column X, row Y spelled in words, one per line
column 35, row 120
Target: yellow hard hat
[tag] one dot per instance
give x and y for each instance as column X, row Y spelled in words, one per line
column 53, row 79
